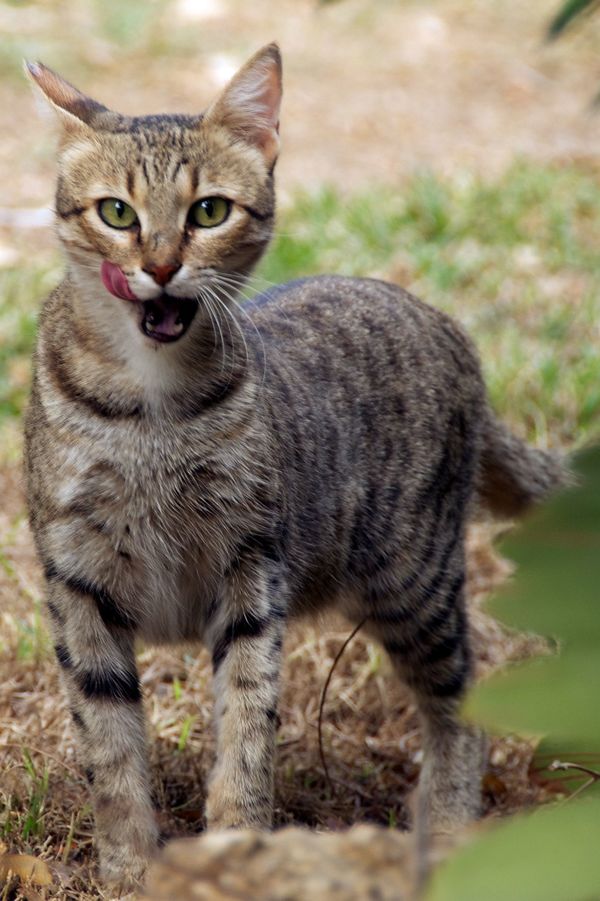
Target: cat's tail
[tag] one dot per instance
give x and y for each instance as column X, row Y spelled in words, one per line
column 514, row 476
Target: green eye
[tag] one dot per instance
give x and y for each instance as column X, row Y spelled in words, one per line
column 117, row 213
column 209, row 211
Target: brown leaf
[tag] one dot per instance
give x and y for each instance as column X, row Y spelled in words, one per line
column 26, row 867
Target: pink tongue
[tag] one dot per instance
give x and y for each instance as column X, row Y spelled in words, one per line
column 114, row 280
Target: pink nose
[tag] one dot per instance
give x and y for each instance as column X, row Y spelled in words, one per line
column 162, row 274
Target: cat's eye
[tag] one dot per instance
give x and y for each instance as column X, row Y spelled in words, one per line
column 117, row 213
column 209, row 212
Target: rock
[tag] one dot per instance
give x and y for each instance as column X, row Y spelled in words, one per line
column 293, row 864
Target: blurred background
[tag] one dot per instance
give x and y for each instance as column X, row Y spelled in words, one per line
column 446, row 145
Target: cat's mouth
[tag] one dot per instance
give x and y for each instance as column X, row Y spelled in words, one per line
column 167, row 319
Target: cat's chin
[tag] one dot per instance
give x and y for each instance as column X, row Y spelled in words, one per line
column 166, row 319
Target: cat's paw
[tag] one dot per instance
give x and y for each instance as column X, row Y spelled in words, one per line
column 122, row 879
column 226, row 810
column 123, row 866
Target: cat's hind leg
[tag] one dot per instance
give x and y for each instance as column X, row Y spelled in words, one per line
column 425, row 634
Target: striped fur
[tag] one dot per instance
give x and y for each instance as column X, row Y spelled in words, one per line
column 321, row 448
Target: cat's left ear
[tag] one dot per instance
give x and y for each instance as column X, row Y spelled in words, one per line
column 249, row 105
column 75, row 111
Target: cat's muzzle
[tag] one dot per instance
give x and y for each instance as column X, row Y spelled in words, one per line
column 166, row 319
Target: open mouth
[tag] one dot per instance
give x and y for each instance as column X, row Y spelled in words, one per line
column 167, row 319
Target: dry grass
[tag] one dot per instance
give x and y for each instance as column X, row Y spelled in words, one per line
column 370, row 730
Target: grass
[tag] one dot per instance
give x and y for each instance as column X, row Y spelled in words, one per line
column 516, row 261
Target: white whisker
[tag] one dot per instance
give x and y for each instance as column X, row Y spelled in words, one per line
column 199, row 297
column 233, row 319
column 233, row 299
column 208, row 297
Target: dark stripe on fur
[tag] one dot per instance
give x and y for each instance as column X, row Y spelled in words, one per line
column 77, row 719
column 429, row 626
column 399, row 615
column 69, row 213
column 219, row 393
column 50, row 570
column 76, row 394
column 455, row 683
column 443, row 649
column 55, row 613
column 262, row 217
column 263, row 542
column 440, row 614
column 114, row 686
column 109, row 610
column 63, row 656
column 249, row 626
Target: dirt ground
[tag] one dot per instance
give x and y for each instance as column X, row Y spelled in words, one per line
column 373, row 91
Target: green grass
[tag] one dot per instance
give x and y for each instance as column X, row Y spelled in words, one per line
column 516, row 260
column 25, row 816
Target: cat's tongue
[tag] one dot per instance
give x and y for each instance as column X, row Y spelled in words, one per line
column 114, row 280
column 163, row 318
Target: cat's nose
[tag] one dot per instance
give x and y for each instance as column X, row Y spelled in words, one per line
column 162, row 274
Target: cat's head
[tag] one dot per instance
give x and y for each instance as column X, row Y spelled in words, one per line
column 157, row 213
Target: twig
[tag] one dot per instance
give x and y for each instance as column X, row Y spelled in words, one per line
column 566, row 765
column 323, row 697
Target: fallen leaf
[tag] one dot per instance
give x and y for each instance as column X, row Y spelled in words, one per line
column 26, row 867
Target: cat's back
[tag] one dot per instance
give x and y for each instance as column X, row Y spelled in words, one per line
column 367, row 337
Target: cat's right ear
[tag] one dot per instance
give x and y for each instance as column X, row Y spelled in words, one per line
column 75, row 112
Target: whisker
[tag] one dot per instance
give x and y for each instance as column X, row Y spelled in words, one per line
column 225, row 280
column 199, row 297
column 233, row 319
column 208, row 298
column 238, row 306
column 246, row 280
column 219, row 305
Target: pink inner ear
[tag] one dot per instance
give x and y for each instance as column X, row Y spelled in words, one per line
column 115, row 281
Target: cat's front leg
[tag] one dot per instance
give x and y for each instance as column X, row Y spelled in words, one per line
column 94, row 647
column 246, row 640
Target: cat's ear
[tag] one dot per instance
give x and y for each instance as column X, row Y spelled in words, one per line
column 249, row 104
column 75, row 111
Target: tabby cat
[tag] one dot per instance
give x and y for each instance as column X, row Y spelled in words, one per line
column 199, row 471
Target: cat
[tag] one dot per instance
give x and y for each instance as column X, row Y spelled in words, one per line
column 202, row 471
